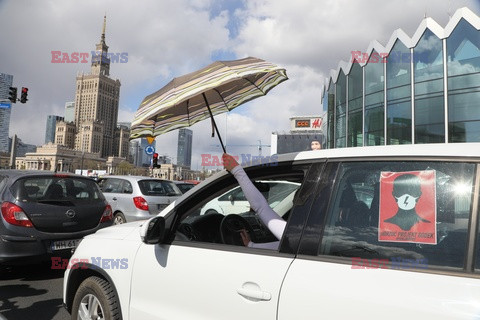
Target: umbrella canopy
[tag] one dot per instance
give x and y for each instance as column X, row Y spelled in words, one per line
column 217, row 88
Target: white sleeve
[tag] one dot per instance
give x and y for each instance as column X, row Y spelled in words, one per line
column 259, row 204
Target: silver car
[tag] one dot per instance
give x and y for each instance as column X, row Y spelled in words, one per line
column 136, row 197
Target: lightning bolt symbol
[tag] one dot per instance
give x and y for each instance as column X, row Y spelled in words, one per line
column 406, row 200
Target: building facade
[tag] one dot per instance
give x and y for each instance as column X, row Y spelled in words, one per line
column 51, row 128
column 65, row 134
column 423, row 89
column 184, row 147
column 303, row 130
column 96, row 105
column 6, row 81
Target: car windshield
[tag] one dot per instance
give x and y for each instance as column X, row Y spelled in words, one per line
column 47, row 188
column 158, row 188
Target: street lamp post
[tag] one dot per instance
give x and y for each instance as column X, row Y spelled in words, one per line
column 83, row 149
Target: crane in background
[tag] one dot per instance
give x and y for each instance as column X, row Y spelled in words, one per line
column 259, row 146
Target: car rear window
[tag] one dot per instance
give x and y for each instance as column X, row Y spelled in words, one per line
column 158, row 188
column 47, row 188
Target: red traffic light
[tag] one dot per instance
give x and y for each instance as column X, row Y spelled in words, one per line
column 24, row 95
column 155, row 155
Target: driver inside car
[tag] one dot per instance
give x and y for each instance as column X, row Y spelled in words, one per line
column 258, row 203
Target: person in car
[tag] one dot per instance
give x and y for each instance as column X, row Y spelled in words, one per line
column 258, row 203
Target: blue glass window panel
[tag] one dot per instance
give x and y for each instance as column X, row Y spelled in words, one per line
column 429, row 111
column 355, row 87
column 399, row 123
column 374, row 79
column 464, row 107
column 430, row 133
column 398, row 66
column 464, row 131
column 463, row 53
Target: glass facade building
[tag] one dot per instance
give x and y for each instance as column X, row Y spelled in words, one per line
column 184, row 148
column 6, row 81
column 423, row 89
column 51, row 127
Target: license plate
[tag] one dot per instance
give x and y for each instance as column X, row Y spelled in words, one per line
column 65, row 244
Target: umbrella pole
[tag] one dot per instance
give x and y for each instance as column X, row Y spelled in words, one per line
column 214, row 124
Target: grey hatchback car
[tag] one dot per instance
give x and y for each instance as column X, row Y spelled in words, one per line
column 44, row 213
column 137, row 197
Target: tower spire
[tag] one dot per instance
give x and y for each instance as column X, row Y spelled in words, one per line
column 104, row 26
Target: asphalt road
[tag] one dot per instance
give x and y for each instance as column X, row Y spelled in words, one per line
column 32, row 292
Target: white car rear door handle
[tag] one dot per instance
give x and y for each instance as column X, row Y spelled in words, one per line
column 253, row 294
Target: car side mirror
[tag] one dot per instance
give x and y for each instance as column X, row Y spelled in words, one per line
column 153, row 231
column 230, row 198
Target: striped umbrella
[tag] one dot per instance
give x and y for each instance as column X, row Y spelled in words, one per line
column 217, row 88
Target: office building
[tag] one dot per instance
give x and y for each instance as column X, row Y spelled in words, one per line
column 96, row 106
column 51, row 128
column 184, row 148
column 6, row 81
column 419, row 89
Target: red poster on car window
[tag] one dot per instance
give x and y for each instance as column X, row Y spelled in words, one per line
column 408, row 209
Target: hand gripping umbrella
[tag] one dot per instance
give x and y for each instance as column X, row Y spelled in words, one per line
column 215, row 89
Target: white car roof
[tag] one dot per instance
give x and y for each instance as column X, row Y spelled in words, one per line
column 419, row 150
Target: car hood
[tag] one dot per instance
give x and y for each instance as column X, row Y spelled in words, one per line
column 119, row 232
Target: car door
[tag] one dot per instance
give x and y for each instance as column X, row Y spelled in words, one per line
column 369, row 266
column 206, row 279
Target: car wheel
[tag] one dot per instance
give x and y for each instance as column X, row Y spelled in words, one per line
column 211, row 211
column 119, row 218
column 95, row 299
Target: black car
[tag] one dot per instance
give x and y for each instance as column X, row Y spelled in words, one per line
column 47, row 214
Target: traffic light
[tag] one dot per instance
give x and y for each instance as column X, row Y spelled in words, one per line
column 155, row 161
column 12, row 94
column 24, row 95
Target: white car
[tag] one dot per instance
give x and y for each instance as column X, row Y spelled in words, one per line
column 234, row 201
column 373, row 233
column 137, row 197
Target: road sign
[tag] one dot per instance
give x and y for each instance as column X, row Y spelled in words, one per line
column 5, row 105
column 149, row 150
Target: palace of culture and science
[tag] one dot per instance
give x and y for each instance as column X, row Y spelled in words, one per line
column 94, row 134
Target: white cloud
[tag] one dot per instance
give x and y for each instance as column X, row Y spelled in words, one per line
column 168, row 38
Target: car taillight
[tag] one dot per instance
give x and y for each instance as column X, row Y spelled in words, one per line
column 140, row 203
column 107, row 214
column 13, row 214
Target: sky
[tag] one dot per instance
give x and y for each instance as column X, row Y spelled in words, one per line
column 164, row 39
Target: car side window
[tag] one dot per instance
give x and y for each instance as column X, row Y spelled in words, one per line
column 127, row 187
column 206, row 221
column 400, row 212
column 235, row 195
column 111, row 185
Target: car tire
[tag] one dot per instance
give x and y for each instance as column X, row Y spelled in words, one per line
column 211, row 211
column 99, row 292
column 119, row 218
